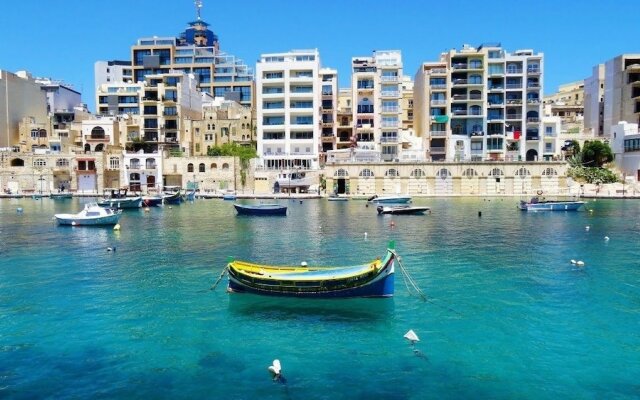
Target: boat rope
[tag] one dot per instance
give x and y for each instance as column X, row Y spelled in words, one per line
column 408, row 280
column 224, row 271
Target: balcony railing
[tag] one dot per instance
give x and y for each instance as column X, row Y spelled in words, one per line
column 438, row 102
column 514, row 116
column 390, row 109
column 90, row 138
column 439, row 86
column 496, row 87
column 533, row 119
column 389, row 124
column 388, row 140
column 390, row 93
column 514, row 85
column 389, row 78
column 459, row 66
column 438, row 133
column 533, row 70
column 437, row 149
column 514, row 70
column 438, row 71
column 460, row 81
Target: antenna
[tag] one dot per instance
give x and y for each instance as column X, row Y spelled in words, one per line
column 198, row 4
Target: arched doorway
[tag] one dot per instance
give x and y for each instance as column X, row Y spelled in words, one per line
column 532, row 155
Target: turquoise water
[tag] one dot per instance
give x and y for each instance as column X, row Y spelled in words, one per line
column 508, row 315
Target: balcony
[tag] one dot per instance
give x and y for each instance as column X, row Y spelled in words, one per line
column 459, row 112
column 512, row 116
column 514, row 71
column 495, row 133
column 514, row 86
column 390, row 93
column 533, row 70
column 389, row 124
column 514, row 101
column 90, row 138
column 390, row 109
column 533, row 101
column 389, row 78
column 169, row 99
column 532, row 120
column 459, row 66
column 388, row 140
column 365, row 110
column 460, row 82
column 532, row 137
column 438, row 86
column 438, row 149
column 533, row 85
column 438, row 102
column 459, row 97
column 496, row 87
column 438, row 71
column 438, row 133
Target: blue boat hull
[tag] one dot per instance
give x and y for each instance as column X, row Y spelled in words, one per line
column 135, row 202
column 257, row 210
column 552, row 206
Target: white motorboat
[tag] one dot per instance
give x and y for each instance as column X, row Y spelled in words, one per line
column 92, row 214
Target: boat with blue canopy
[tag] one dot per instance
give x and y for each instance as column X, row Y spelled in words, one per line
column 372, row 279
column 537, row 204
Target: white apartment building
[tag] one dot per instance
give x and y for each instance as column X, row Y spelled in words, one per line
column 625, row 145
column 481, row 103
column 594, row 102
column 621, row 91
column 115, row 71
column 376, row 97
column 288, row 102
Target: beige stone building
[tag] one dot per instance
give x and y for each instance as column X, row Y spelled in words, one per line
column 567, row 104
column 21, row 101
column 223, row 121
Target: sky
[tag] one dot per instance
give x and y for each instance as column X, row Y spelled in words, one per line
column 62, row 39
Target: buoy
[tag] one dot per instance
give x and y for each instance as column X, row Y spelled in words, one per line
column 146, row 209
column 170, row 207
column 411, row 336
column 573, row 261
column 365, row 235
column 303, row 264
column 109, row 249
column 392, row 223
column 73, row 223
column 116, row 227
column 586, row 228
column 300, row 201
column 606, row 238
column 580, row 263
column 19, row 210
column 276, row 371
column 479, row 213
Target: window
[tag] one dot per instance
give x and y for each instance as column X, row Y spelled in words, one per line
column 114, row 163
column 366, row 173
column 225, row 166
column 39, row 162
column 190, row 167
column 496, row 172
column 201, row 167
column 392, row 173
column 470, row 173
column 523, row 172
column 341, row 172
column 549, row 172
column 417, row 173
column 443, row 173
column 62, row 162
column 214, row 166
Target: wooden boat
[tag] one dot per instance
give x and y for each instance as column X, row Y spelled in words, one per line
column 535, row 204
column 92, row 214
column 396, row 199
column 402, row 209
column 60, row 196
column 260, row 209
column 119, row 199
column 373, row 279
column 172, row 195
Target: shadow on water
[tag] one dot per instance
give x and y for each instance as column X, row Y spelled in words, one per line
column 351, row 310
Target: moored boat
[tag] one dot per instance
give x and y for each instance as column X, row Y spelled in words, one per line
column 336, row 197
column 260, row 209
column 151, row 200
column 402, row 209
column 394, row 199
column 172, row 195
column 92, row 214
column 119, row 199
column 535, row 204
column 373, row 279
column 60, row 196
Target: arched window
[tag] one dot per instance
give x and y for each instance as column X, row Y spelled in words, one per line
column 214, row 166
column 341, row 172
column 443, row 173
column 97, row 133
column 17, row 162
column 150, row 163
column 549, row 172
column 99, row 147
column 366, row 173
column 225, row 166
column 201, row 167
column 418, row 173
column 87, row 147
column 523, row 172
column 458, row 129
column 470, row 173
column 391, row 172
column 190, row 167
column 496, row 172
column 62, row 162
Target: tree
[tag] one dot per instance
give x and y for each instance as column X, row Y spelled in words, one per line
column 596, row 154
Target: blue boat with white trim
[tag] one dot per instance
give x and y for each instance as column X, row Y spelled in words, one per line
column 535, row 204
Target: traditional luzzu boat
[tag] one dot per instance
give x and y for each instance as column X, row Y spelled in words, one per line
column 373, row 279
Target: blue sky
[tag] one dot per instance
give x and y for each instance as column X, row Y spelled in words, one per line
column 62, row 39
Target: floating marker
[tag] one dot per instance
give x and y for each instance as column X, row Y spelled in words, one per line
column 116, row 227
column 586, row 228
column 411, row 336
column 146, row 209
column 19, row 210
column 365, row 235
column 573, row 261
column 580, row 263
column 606, row 238
column 275, row 369
column 109, row 249
column 73, row 223
column 302, row 264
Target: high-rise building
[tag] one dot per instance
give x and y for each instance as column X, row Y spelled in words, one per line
column 196, row 51
column 482, row 104
column 289, row 92
column 621, row 91
column 376, row 84
column 594, row 102
column 329, row 108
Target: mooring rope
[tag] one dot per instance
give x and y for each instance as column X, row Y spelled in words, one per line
column 224, row 271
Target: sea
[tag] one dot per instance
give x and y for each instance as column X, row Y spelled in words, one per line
column 500, row 310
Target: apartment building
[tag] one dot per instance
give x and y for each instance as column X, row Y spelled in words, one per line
column 621, row 100
column 114, row 71
column 594, row 102
column 289, row 93
column 196, row 51
column 329, row 110
column 22, row 97
column 481, row 103
column 223, row 122
column 567, row 104
column 376, row 84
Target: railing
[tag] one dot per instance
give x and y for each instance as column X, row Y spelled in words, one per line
column 533, row 101
column 104, row 138
column 514, row 101
column 459, row 66
column 438, row 71
column 459, row 81
column 438, row 102
column 533, row 119
column 459, row 112
column 437, row 149
column 390, row 94
column 514, row 85
column 514, row 70
column 438, row 133
column 533, row 85
column 390, row 109
column 533, row 70
column 496, row 87
column 439, row 86
column 389, row 78
column 389, row 124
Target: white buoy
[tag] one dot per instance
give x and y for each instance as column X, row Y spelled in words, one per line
column 302, row 264
column 365, row 235
column 73, row 223
column 580, row 263
column 573, row 261
column 109, row 249
column 591, row 210
column 586, row 228
column 411, row 336
column 19, row 210
column 116, row 227
column 276, row 368
column 606, row 238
